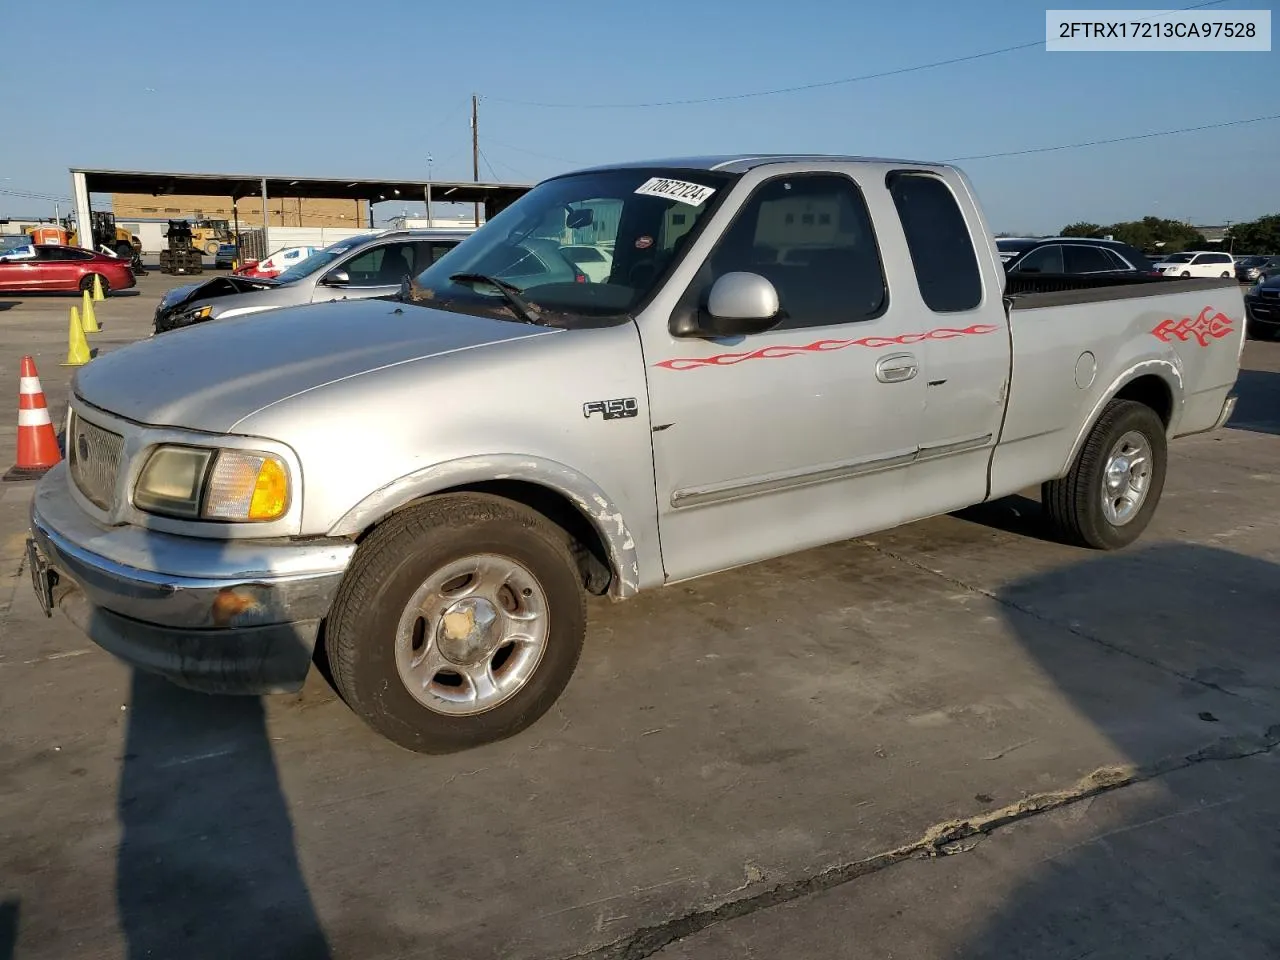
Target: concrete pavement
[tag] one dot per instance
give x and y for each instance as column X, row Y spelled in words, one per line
column 743, row 766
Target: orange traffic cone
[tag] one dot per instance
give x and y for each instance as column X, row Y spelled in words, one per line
column 37, row 443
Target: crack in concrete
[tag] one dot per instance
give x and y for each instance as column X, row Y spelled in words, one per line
column 1068, row 627
column 942, row 839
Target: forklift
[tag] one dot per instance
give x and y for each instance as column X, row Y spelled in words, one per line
column 181, row 255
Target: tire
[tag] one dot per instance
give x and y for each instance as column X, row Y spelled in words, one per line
column 86, row 283
column 124, row 250
column 211, row 248
column 372, row 634
column 1225, row 275
column 1186, row 273
column 1075, row 505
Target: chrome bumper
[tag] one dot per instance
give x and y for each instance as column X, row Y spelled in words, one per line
column 216, row 615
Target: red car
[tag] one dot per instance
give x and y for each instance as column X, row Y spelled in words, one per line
column 64, row 268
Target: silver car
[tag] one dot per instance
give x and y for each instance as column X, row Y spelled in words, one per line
column 371, row 265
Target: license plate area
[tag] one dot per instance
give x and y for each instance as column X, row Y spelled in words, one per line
column 42, row 577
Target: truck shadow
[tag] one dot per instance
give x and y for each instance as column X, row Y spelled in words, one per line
column 206, row 865
column 1258, row 406
column 8, row 928
column 1187, row 863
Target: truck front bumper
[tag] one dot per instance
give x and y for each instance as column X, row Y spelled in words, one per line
column 222, row 616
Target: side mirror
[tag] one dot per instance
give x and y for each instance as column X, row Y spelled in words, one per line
column 577, row 219
column 739, row 304
column 336, row 278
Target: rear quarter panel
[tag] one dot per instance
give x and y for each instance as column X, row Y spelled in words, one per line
column 1074, row 351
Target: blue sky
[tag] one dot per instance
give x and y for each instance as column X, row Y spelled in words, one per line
column 372, row 89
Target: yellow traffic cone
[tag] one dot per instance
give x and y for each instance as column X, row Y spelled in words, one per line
column 88, row 317
column 98, row 296
column 77, row 346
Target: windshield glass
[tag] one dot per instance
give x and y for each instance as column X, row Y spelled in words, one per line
column 1177, row 258
column 590, row 244
column 320, row 259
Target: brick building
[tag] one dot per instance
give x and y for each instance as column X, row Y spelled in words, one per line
column 283, row 211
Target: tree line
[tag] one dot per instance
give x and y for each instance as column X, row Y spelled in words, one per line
column 1171, row 236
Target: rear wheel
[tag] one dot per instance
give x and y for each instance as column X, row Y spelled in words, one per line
column 1108, row 498
column 1225, row 274
column 211, row 248
column 86, row 283
column 459, row 622
column 1186, row 273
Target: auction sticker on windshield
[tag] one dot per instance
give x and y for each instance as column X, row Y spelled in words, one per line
column 694, row 194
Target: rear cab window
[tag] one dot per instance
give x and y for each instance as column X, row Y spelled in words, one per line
column 940, row 242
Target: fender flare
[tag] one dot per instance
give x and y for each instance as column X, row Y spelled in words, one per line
column 594, row 504
column 1166, row 370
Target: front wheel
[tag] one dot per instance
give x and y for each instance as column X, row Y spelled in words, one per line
column 211, row 248
column 1108, row 498
column 1225, row 275
column 459, row 622
column 1186, row 273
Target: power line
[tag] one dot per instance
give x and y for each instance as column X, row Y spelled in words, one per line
column 492, row 172
column 532, row 153
column 1098, row 143
column 817, row 85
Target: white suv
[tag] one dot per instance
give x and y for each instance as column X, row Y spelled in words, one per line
column 1194, row 264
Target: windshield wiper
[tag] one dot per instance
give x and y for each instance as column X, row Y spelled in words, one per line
column 522, row 308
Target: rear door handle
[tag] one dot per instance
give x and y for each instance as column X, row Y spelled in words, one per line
column 896, row 368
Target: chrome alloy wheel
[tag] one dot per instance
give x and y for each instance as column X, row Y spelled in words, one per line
column 1126, row 478
column 472, row 635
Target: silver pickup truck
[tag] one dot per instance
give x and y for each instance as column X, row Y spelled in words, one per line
column 785, row 352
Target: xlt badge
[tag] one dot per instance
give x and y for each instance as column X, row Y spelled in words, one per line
column 612, row 409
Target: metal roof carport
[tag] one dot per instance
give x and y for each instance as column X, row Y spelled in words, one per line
column 493, row 196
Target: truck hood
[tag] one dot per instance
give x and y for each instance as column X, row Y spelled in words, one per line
column 211, row 376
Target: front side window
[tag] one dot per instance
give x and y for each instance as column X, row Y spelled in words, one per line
column 644, row 215
column 385, row 265
column 1046, row 259
column 940, row 242
column 825, row 272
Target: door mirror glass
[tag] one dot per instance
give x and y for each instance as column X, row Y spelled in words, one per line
column 336, row 278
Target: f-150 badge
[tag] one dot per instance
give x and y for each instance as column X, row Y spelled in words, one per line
column 612, row 409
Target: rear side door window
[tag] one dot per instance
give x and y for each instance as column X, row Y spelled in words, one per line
column 811, row 236
column 940, row 242
column 1081, row 259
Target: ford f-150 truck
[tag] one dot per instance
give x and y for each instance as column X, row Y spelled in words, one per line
column 787, row 351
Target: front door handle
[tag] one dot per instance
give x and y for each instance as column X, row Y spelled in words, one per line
column 896, row 368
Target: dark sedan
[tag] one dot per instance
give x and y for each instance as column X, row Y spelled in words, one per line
column 58, row 268
column 1072, row 256
column 1262, row 307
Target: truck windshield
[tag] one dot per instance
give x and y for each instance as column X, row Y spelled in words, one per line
column 592, row 244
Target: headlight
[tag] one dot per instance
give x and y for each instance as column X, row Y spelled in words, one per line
column 201, row 313
column 194, row 482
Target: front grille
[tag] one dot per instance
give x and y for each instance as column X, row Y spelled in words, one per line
column 94, row 458
column 1269, row 294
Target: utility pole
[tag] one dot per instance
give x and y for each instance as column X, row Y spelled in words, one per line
column 475, row 150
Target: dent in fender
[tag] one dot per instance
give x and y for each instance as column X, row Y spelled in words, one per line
column 581, row 492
